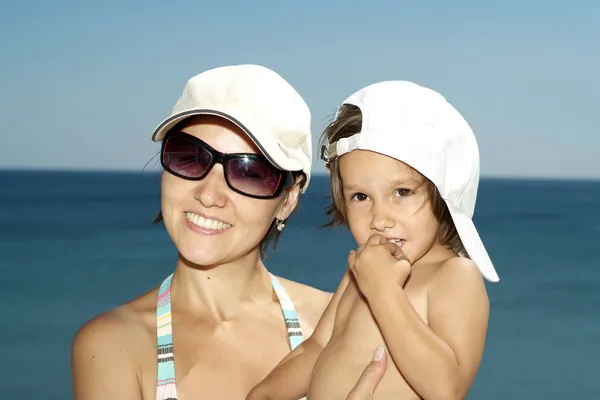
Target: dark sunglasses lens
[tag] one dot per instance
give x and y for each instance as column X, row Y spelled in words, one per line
column 185, row 158
column 254, row 176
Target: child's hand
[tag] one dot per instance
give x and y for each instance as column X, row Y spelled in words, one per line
column 377, row 263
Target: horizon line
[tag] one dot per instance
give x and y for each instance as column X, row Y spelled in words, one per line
column 314, row 174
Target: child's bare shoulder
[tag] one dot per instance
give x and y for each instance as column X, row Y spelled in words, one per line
column 458, row 304
column 457, row 274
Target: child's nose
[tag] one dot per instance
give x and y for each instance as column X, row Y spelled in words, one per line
column 382, row 219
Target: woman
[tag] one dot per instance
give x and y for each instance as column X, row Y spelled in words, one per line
column 236, row 153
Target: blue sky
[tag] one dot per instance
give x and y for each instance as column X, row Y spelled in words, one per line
column 84, row 83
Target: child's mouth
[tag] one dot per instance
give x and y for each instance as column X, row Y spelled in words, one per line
column 398, row 242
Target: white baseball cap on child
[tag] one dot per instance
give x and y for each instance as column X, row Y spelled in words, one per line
column 417, row 126
column 260, row 102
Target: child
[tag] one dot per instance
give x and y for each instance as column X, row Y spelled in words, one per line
column 404, row 170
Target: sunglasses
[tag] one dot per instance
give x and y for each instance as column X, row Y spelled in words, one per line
column 252, row 175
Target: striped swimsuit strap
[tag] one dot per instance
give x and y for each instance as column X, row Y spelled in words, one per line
column 165, row 385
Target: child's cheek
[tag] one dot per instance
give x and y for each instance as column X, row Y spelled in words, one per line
column 359, row 228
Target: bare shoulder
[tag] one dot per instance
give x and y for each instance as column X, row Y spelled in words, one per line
column 101, row 338
column 106, row 350
column 310, row 302
column 458, row 312
column 458, row 273
column 457, row 288
column 118, row 324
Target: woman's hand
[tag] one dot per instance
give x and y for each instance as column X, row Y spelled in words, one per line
column 369, row 379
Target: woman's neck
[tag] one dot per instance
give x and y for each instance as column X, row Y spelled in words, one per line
column 222, row 290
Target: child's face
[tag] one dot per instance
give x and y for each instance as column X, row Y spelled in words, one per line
column 385, row 196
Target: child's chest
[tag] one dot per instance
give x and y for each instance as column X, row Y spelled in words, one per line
column 354, row 315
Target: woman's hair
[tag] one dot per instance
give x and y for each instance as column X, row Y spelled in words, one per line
column 349, row 122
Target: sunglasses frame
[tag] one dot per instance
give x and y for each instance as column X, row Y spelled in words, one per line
column 223, row 159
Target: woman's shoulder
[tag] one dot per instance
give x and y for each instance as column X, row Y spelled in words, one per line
column 120, row 330
column 309, row 302
column 111, row 350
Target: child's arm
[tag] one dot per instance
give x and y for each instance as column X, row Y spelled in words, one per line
column 291, row 377
column 439, row 360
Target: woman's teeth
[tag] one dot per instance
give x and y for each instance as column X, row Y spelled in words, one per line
column 206, row 223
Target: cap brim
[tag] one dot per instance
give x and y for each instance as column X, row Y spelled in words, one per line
column 168, row 124
column 473, row 245
column 267, row 149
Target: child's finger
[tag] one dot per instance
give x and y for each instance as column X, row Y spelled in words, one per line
column 351, row 258
column 360, row 249
column 399, row 254
column 352, row 262
column 392, row 248
column 375, row 239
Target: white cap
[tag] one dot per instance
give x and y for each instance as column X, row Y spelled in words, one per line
column 263, row 104
column 417, row 126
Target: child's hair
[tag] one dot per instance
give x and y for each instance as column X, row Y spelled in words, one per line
column 348, row 123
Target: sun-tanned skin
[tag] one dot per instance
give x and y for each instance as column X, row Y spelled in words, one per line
column 428, row 306
column 228, row 327
column 114, row 355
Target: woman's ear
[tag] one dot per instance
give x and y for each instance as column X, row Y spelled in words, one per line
column 290, row 202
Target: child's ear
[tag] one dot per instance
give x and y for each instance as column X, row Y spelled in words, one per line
column 291, row 199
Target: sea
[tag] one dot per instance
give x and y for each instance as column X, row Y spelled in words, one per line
column 75, row 244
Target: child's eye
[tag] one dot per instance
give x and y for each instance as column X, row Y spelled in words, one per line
column 359, row 197
column 403, row 192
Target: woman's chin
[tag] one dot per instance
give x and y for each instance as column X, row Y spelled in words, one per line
column 207, row 251
column 200, row 259
column 208, row 257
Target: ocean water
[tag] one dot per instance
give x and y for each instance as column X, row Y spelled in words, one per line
column 73, row 245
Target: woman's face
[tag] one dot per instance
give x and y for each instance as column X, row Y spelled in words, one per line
column 209, row 223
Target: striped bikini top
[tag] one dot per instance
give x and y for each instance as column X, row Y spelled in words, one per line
column 165, row 385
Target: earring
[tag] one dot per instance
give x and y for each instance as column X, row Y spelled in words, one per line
column 280, row 225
